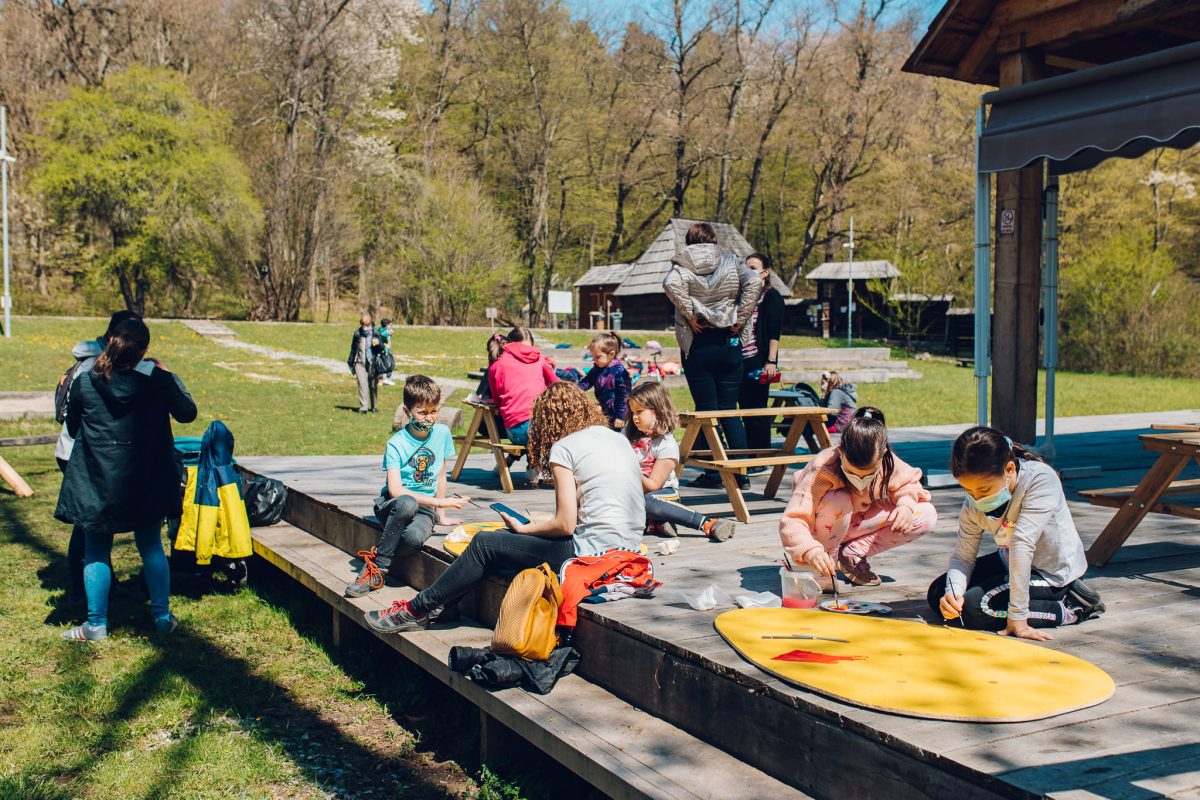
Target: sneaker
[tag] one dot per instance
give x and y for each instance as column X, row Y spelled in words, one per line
column 743, row 481
column 755, row 470
column 858, row 572
column 397, row 618
column 719, row 529
column 706, row 480
column 370, row 576
column 667, row 530
column 166, row 624
column 1084, row 600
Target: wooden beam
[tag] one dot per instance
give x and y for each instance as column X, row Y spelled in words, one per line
column 1076, row 22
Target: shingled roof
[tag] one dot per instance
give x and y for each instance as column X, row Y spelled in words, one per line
column 647, row 272
column 863, row 270
column 602, row 275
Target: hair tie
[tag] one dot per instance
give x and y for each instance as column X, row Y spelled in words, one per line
column 497, row 337
column 1008, row 442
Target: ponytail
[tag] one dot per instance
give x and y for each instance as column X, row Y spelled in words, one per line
column 985, row 451
column 127, row 344
column 865, row 439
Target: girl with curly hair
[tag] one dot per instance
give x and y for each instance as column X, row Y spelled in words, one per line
column 598, row 507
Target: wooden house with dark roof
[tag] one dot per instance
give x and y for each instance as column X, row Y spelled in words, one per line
column 642, row 301
column 596, row 289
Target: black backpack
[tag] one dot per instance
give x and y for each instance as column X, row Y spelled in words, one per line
column 62, row 392
column 808, row 395
column 265, row 500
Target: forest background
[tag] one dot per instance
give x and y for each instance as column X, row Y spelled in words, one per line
column 293, row 159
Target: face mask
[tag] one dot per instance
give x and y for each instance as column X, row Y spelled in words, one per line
column 992, row 502
column 860, row 483
column 421, row 427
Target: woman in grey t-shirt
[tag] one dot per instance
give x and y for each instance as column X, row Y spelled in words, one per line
column 598, row 506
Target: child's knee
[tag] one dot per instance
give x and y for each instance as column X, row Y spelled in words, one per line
column 924, row 519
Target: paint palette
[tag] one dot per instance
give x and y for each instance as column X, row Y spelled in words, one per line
column 915, row 669
column 854, row 607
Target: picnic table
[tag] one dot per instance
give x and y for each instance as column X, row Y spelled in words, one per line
column 1135, row 502
column 484, row 432
column 807, row 421
column 790, row 397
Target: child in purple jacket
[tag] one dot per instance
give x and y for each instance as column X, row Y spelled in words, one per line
column 608, row 377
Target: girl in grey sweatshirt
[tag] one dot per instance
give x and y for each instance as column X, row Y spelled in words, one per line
column 1034, row 579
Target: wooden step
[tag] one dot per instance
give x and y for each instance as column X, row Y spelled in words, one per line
column 617, row 748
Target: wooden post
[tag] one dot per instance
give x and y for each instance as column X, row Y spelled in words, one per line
column 1018, row 277
column 9, row 475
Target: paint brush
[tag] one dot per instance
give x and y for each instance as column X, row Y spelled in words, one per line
column 808, row 636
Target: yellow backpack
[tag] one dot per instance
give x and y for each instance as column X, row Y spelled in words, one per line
column 529, row 615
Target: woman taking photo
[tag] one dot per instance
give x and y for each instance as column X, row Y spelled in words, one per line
column 122, row 474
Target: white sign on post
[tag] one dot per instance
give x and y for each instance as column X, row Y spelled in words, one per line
column 560, row 302
column 491, row 313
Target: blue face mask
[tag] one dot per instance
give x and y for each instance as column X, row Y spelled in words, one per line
column 992, row 502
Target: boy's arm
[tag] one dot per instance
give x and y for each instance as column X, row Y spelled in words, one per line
column 396, row 488
column 441, row 495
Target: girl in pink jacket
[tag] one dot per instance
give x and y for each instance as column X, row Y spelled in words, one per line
column 517, row 375
column 854, row 501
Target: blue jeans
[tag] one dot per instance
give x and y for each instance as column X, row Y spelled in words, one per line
column 662, row 505
column 97, row 574
column 519, row 434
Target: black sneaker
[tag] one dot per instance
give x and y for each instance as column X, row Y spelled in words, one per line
column 370, row 576
column 755, row 470
column 743, row 481
column 706, row 480
column 397, row 618
column 1084, row 600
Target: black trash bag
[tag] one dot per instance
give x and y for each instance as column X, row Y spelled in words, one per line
column 265, row 499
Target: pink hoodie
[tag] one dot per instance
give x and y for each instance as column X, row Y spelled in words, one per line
column 824, row 474
column 516, row 378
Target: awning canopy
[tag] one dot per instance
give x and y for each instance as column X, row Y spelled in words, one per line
column 1080, row 119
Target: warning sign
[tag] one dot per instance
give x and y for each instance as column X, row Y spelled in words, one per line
column 1008, row 221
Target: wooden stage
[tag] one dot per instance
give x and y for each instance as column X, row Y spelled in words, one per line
column 664, row 658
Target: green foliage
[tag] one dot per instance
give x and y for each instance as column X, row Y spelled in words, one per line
column 1127, row 308
column 139, row 169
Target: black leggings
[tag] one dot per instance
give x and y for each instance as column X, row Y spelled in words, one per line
column 488, row 553
column 713, row 369
column 985, row 604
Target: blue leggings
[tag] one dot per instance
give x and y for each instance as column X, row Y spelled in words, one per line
column 97, row 574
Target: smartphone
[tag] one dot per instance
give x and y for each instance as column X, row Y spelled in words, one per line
column 500, row 507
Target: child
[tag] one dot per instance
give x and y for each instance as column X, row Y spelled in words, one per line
column 598, row 507
column 854, row 501
column 609, row 378
column 836, row 393
column 518, row 373
column 414, row 497
column 650, row 426
column 1035, row 579
column 385, row 341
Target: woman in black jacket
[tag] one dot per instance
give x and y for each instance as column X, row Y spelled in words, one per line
column 122, row 474
column 761, row 355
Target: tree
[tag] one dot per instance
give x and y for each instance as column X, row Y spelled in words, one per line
column 140, row 168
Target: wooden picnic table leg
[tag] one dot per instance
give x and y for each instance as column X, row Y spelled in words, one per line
column 1128, row 516
column 713, row 436
column 467, row 443
column 12, row 478
column 685, row 447
column 817, row 426
column 506, row 482
column 799, row 424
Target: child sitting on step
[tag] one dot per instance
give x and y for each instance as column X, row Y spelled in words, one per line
column 650, row 428
column 414, row 497
column 854, row 501
column 517, row 375
column 609, row 377
column 1034, row 580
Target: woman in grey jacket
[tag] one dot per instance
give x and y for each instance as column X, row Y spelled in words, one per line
column 714, row 295
column 1034, row 580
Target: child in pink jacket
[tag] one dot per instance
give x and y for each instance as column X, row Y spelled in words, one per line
column 518, row 374
column 854, row 501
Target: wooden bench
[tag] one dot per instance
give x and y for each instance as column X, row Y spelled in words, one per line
column 621, row 750
column 11, row 476
column 1135, row 502
column 484, row 432
column 807, row 421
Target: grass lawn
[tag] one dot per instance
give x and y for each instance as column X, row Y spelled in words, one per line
column 247, row 699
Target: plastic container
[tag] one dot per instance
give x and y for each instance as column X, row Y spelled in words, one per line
column 800, row 589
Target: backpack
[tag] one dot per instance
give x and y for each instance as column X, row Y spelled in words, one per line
column 383, row 363
column 265, row 500
column 529, row 615
column 62, row 392
column 808, row 395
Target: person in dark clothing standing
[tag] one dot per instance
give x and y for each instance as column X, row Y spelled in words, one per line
column 122, row 474
column 714, row 294
column 361, row 360
column 760, row 355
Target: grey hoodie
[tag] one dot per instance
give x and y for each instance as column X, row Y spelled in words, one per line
column 714, row 287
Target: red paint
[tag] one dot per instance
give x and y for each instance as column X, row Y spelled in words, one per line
column 809, row 657
column 799, row 602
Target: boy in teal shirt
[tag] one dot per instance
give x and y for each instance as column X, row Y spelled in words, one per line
column 384, row 334
column 414, row 498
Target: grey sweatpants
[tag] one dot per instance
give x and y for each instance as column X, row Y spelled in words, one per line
column 368, row 385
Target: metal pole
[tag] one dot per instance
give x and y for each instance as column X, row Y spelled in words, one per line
column 983, row 274
column 5, row 160
column 1050, row 287
column 850, row 289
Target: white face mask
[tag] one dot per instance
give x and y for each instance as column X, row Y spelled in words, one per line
column 860, row 483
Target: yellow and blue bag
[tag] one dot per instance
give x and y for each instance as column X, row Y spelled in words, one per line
column 214, row 521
